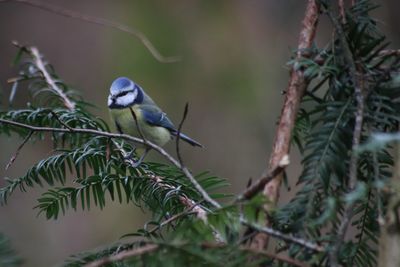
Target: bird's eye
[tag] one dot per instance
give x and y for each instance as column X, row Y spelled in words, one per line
column 124, row 93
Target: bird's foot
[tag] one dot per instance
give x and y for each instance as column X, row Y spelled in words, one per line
column 136, row 163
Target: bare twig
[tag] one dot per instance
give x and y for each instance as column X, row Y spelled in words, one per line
column 59, row 120
column 98, row 21
column 288, row 238
column 123, row 255
column 160, row 150
column 178, row 135
column 14, row 157
column 294, row 92
column 358, row 82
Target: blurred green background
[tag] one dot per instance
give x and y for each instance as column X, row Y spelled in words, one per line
column 232, row 73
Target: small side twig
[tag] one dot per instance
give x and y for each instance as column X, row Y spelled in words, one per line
column 60, row 121
column 178, row 135
column 14, row 157
column 99, row 21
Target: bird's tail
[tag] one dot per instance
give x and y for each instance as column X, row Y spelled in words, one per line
column 189, row 140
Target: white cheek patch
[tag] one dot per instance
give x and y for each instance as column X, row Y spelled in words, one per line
column 127, row 99
column 109, row 102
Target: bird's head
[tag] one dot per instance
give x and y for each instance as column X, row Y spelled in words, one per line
column 124, row 93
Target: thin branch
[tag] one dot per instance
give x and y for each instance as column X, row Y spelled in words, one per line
column 160, row 150
column 178, row 135
column 185, row 169
column 358, row 82
column 14, row 157
column 294, row 92
column 123, row 255
column 99, row 21
column 60, row 121
column 288, row 238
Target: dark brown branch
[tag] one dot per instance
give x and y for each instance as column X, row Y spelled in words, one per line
column 14, row 157
column 294, row 92
column 126, row 254
column 160, row 150
column 98, row 21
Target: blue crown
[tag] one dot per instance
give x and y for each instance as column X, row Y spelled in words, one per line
column 121, row 84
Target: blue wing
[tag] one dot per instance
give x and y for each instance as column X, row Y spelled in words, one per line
column 154, row 116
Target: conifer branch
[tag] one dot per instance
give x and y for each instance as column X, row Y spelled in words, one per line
column 41, row 66
column 160, row 150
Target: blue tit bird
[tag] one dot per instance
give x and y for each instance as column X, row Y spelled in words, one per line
column 130, row 107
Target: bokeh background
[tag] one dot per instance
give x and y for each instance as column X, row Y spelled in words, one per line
column 232, row 73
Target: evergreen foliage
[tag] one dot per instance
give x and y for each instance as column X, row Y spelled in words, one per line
column 185, row 230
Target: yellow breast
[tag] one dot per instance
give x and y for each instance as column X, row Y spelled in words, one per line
column 155, row 134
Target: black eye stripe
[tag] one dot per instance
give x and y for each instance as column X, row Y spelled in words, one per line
column 124, row 93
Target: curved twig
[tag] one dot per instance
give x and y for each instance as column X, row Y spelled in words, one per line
column 99, row 21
